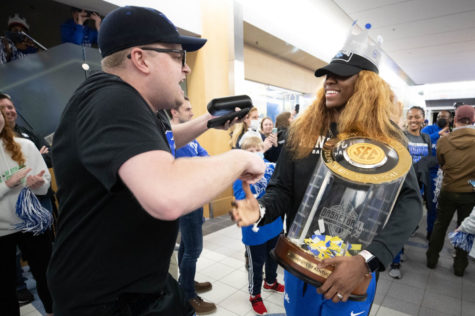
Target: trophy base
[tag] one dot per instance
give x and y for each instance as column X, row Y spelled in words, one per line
column 305, row 267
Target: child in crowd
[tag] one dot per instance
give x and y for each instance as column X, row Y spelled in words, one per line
column 259, row 241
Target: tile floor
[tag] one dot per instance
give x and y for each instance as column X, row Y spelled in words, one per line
column 421, row 291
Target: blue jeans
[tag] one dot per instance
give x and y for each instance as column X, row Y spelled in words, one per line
column 20, row 280
column 431, row 206
column 190, row 249
column 397, row 258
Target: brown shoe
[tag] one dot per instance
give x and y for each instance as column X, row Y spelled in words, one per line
column 201, row 307
column 201, row 287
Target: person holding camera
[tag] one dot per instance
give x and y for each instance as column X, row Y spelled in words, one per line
column 17, row 30
column 10, row 48
column 77, row 31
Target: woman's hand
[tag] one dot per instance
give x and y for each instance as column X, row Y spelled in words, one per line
column 270, row 141
column 245, row 212
column 44, row 150
column 348, row 274
column 17, row 177
column 35, row 181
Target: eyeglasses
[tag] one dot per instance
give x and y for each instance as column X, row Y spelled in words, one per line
column 167, row 50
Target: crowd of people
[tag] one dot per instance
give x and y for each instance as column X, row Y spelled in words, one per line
column 81, row 29
column 131, row 175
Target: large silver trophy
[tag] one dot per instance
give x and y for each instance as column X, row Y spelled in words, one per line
column 348, row 201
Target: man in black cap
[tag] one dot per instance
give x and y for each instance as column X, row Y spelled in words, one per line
column 119, row 187
column 353, row 99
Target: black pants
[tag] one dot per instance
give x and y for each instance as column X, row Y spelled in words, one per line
column 449, row 203
column 258, row 256
column 37, row 251
column 169, row 301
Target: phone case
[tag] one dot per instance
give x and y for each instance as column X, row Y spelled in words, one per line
column 221, row 120
column 224, row 109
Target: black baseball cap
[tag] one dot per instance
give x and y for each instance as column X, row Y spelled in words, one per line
column 131, row 26
column 345, row 64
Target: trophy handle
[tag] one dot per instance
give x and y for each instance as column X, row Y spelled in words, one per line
column 305, row 266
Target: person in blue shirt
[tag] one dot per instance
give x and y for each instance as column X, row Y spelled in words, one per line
column 419, row 146
column 435, row 131
column 76, row 31
column 191, row 242
column 259, row 241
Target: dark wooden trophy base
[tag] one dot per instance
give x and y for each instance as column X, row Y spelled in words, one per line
column 305, row 266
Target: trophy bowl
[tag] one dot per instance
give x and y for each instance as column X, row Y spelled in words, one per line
column 348, row 201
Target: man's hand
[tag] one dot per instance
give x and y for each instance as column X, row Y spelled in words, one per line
column 444, row 131
column 81, row 17
column 229, row 123
column 348, row 274
column 17, row 177
column 255, row 168
column 245, row 212
column 25, row 44
column 35, row 181
column 97, row 20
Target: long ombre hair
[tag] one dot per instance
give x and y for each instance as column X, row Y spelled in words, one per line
column 10, row 145
column 239, row 129
column 366, row 113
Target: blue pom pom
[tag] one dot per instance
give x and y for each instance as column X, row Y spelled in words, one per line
column 36, row 219
column 367, row 26
column 461, row 240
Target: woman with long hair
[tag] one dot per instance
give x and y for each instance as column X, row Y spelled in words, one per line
column 241, row 128
column 353, row 99
column 21, row 165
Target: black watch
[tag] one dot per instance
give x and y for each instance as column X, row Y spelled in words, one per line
column 371, row 261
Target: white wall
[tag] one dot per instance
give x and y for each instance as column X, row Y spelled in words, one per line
column 450, row 90
column 318, row 27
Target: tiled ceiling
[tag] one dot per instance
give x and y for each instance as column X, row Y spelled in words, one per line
column 432, row 41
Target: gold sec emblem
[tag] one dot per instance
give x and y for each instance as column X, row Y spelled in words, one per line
column 365, row 153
